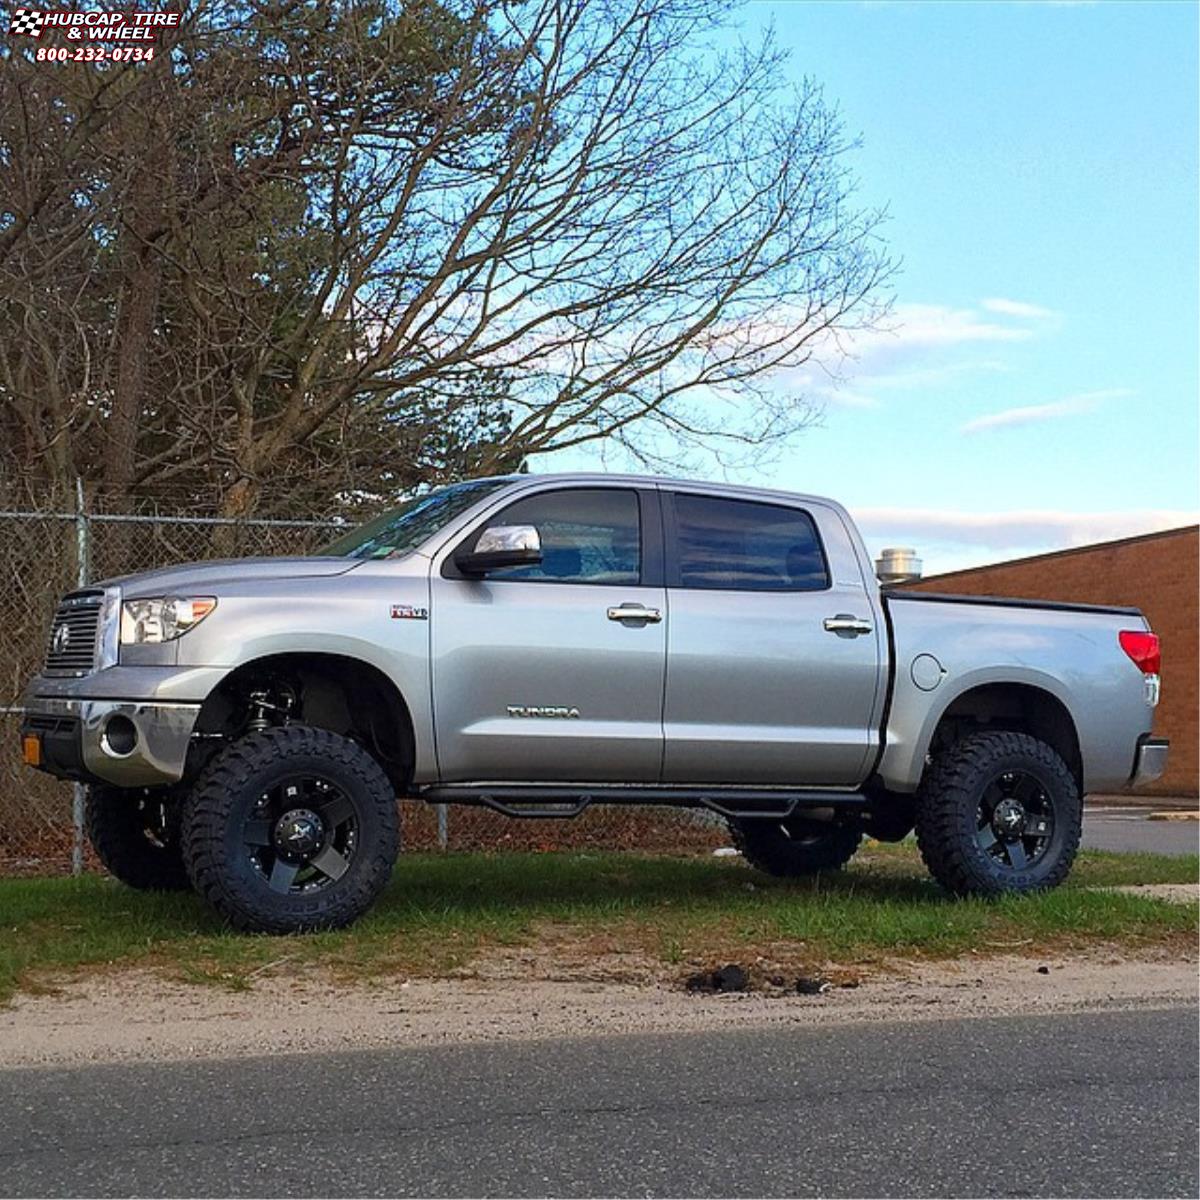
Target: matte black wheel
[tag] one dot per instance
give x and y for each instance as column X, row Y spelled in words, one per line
column 999, row 812
column 135, row 834
column 291, row 829
column 796, row 846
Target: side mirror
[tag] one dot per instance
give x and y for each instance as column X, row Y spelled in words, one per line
column 501, row 546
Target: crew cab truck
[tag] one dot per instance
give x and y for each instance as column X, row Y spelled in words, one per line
column 541, row 643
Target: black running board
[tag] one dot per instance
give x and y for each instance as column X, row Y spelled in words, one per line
column 564, row 801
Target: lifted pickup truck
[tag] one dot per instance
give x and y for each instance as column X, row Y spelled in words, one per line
column 541, row 643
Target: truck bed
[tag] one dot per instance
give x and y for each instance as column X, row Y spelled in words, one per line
column 1010, row 602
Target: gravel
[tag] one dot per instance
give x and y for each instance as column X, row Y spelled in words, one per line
column 126, row 1016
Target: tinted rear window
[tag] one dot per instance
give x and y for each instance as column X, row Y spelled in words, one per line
column 748, row 546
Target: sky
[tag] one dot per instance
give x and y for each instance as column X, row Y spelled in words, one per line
column 1037, row 386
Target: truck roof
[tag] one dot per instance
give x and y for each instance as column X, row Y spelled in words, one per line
column 731, row 489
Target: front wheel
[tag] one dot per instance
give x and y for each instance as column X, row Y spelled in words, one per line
column 291, row 829
column 998, row 812
column 135, row 834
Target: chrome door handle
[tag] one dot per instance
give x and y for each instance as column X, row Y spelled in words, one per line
column 847, row 623
column 635, row 612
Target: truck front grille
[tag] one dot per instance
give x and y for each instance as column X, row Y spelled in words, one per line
column 48, row 723
column 72, row 646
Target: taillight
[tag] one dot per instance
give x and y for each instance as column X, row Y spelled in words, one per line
column 1142, row 647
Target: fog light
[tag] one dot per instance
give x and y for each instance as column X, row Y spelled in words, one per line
column 120, row 736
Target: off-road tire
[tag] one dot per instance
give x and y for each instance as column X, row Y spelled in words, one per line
column 796, row 847
column 223, row 798
column 949, row 802
column 130, row 838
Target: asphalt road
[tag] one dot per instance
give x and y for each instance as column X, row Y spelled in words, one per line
column 1073, row 1105
column 1128, row 829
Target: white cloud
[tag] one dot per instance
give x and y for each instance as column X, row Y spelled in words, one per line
column 1031, row 414
column 1018, row 308
column 831, row 392
column 919, row 347
column 934, row 326
column 1026, row 530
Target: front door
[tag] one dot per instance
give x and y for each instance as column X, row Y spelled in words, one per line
column 537, row 674
column 759, row 689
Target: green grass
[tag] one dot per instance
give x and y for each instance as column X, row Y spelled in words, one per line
column 442, row 911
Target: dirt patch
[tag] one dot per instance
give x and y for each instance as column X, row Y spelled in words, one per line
column 765, row 978
column 137, row 1015
column 1175, row 893
column 729, row 978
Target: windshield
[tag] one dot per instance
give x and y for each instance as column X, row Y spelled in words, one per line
column 403, row 529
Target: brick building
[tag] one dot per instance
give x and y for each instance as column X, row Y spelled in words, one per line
column 1160, row 574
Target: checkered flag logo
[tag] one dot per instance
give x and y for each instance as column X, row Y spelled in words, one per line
column 26, row 22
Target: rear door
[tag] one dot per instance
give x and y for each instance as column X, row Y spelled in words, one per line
column 773, row 650
column 555, row 672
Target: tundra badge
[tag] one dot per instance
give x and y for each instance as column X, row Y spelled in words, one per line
column 543, row 710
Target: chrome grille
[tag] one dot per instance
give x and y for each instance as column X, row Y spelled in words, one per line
column 72, row 646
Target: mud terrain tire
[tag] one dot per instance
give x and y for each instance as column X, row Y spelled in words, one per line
column 132, row 839
column 795, row 847
column 973, row 790
column 290, row 830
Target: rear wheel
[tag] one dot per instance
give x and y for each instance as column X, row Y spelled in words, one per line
column 999, row 812
column 797, row 846
column 291, row 829
column 135, row 834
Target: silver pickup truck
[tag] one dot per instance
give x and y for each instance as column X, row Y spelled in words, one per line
column 541, row 643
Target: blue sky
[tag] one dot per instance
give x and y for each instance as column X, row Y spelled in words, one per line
column 1039, row 163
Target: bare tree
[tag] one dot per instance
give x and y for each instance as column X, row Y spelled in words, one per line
column 363, row 210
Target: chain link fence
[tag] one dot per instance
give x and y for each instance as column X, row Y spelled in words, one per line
column 44, row 554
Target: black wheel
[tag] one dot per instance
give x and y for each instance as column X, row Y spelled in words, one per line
column 291, row 829
column 796, row 846
column 135, row 834
column 998, row 812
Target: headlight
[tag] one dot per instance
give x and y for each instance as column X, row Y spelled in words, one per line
column 162, row 618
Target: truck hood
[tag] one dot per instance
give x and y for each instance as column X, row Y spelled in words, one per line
column 208, row 577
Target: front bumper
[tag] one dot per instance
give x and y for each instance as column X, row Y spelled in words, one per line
column 1150, row 761
column 77, row 739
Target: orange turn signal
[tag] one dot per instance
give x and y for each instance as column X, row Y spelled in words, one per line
column 31, row 750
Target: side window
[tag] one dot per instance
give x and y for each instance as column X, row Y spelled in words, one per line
column 589, row 535
column 746, row 545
